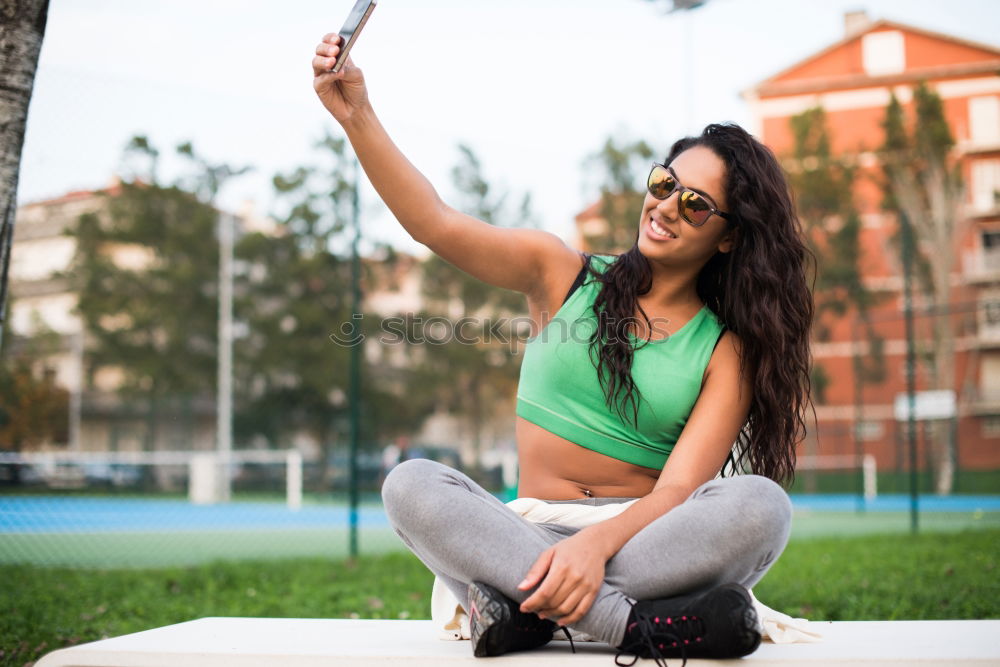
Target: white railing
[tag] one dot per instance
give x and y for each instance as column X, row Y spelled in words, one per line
column 869, row 470
column 207, row 470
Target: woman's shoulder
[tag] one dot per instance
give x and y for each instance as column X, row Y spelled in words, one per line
column 713, row 320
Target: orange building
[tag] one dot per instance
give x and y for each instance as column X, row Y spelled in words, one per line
column 852, row 80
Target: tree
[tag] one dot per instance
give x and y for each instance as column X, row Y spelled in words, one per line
column 620, row 168
column 22, row 28
column 474, row 370
column 296, row 291
column 924, row 182
column 823, row 187
column 153, row 318
column 33, row 410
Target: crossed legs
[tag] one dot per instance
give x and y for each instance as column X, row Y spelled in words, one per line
column 728, row 530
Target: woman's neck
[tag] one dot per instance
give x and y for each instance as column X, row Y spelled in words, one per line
column 672, row 289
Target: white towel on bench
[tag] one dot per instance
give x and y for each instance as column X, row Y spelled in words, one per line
column 451, row 618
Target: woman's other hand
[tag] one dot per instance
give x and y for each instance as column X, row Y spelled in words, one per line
column 571, row 572
column 342, row 93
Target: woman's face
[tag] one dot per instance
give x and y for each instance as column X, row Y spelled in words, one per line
column 699, row 169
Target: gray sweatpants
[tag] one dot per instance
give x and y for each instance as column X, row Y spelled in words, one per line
column 728, row 530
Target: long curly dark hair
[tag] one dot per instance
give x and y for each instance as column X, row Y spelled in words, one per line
column 758, row 290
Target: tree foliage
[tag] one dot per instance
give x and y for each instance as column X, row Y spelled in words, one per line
column 823, row 185
column 154, row 316
column 476, row 369
column 146, row 269
column 620, row 167
column 924, row 186
column 923, row 182
column 34, row 409
column 294, row 294
column 146, row 273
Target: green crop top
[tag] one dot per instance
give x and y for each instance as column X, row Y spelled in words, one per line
column 559, row 389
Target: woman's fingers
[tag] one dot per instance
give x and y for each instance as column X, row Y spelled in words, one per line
column 542, row 597
column 581, row 607
column 324, row 49
column 326, row 54
column 561, row 601
column 537, row 570
column 321, row 65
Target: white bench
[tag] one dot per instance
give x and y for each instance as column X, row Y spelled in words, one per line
column 288, row 642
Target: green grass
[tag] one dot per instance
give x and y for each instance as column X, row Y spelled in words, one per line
column 894, row 576
column 888, row 577
column 43, row 609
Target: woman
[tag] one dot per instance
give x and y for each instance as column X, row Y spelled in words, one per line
column 697, row 339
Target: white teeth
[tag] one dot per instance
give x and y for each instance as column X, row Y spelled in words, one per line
column 659, row 229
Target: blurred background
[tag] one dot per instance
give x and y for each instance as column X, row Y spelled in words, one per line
column 218, row 341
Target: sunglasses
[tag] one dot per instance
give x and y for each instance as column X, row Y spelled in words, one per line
column 694, row 207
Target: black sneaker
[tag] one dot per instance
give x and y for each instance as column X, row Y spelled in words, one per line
column 721, row 623
column 498, row 625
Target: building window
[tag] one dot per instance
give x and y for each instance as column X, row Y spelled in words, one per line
column 883, row 53
column 989, row 377
column 989, row 308
column 984, row 119
column 990, row 244
column 985, row 185
column 991, row 427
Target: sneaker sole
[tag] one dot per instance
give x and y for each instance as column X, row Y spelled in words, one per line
column 485, row 613
column 488, row 614
column 743, row 617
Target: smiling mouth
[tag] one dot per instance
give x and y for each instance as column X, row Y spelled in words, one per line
column 660, row 230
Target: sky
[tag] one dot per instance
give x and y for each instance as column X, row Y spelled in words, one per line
column 532, row 86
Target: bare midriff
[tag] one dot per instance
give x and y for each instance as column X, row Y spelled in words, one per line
column 553, row 468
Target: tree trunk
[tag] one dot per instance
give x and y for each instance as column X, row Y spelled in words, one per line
column 22, row 27
column 940, row 224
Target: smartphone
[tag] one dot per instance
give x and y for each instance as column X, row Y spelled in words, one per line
column 352, row 28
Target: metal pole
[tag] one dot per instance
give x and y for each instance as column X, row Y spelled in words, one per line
column 955, row 460
column 911, row 399
column 355, row 378
column 689, row 54
column 76, row 392
column 858, row 416
column 224, row 398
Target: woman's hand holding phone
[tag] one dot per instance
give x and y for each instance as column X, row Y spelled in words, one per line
column 343, row 93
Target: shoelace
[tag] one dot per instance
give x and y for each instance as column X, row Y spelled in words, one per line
column 656, row 634
column 565, row 630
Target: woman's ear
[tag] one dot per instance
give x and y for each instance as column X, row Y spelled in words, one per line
column 727, row 240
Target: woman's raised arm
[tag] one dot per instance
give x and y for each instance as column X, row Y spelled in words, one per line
column 518, row 259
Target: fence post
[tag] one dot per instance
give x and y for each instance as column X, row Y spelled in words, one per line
column 293, row 479
column 870, row 475
column 203, row 479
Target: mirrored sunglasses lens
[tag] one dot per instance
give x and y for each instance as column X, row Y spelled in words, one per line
column 695, row 208
column 660, row 183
